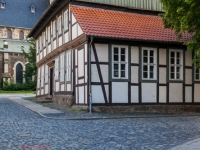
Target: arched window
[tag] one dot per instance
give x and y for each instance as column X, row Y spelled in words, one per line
column 32, row 8
column 9, row 34
column 19, row 73
column 21, row 35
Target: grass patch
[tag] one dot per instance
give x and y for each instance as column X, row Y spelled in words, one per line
column 16, row 92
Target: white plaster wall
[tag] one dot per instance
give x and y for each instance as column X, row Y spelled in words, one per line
column 74, row 31
column 86, row 95
column 37, row 58
column 42, row 91
column 60, row 41
column 80, row 31
column 80, row 63
column 86, row 75
column 38, row 92
column 66, row 35
column 107, row 91
column 134, row 74
column 41, row 55
column 188, row 76
column 97, row 94
column 162, row 94
column 81, row 81
column 162, row 75
column 92, row 55
column 120, row 92
column 104, row 72
column 102, row 52
column 135, row 54
column 62, row 87
column 175, row 92
column 69, row 87
column 76, row 59
column 196, row 92
column 149, row 92
column 134, row 94
column 49, row 48
column 162, row 56
column 73, row 19
column 54, row 44
column 86, row 53
column 188, row 94
column 94, row 73
column 76, row 74
column 57, row 86
column 46, row 89
column 76, row 94
column 188, row 58
column 45, row 52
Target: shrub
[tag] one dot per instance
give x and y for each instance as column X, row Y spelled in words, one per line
column 28, row 86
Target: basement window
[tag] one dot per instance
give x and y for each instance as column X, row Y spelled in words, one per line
column 3, row 4
column 32, row 8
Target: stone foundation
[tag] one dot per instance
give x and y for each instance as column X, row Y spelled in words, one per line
column 149, row 108
column 64, row 100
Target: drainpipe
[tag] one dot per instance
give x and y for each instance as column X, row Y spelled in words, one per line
column 90, row 76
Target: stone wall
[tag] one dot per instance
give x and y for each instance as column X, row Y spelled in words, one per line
column 149, row 108
column 64, row 100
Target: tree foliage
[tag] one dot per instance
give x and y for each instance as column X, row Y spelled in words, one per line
column 184, row 16
column 31, row 69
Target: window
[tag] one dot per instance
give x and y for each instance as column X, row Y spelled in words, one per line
column 62, row 70
column 38, row 78
column 175, row 64
column 9, row 34
column 66, row 20
column 49, row 34
column 40, row 42
column 149, row 63
column 68, row 72
column 3, row 4
column 32, row 8
column 59, row 25
column 19, row 73
column 44, row 39
column 54, row 29
column 119, row 62
column 56, row 69
column 46, row 74
column 21, row 35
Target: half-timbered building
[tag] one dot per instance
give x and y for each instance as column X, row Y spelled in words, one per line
column 112, row 53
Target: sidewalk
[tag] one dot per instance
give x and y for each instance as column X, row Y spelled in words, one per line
column 192, row 145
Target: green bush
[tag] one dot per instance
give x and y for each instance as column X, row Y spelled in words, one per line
column 29, row 86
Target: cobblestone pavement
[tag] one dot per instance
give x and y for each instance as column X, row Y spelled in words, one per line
column 21, row 128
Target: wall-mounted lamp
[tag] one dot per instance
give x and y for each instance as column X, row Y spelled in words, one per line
column 5, row 44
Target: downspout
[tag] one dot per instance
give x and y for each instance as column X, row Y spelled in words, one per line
column 90, row 75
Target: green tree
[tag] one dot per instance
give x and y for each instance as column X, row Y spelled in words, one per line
column 184, row 16
column 31, row 56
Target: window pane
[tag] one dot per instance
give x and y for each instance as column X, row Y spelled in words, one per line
column 178, row 61
column 145, row 53
column 172, row 54
column 178, row 54
column 197, row 76
column 151, row 75
column 115, row 73
column 178, row 75
column 115, row 50
column 123, row 58
column 123, row 66
column 145, row 68
column 145, row 59
column 123, row 50
column 145, row 75
column 115, row 57
column 197, row 70
column 151, row 60
column 172, row 75
column 151, row 53
column 116, row 67
column 123, row 74
column 172, row 61
column 151, row 68
column 178, row 69
column 172, row 69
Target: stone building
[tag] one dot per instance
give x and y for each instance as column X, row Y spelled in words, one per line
column 16, row 20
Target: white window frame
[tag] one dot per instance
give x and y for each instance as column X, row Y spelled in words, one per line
column 46, row 74
column 68, row 66
column 44, row 39
column 56, row 69
column 40, row 42
column 148, row 63
column 49, row 34
column 62, row 68
column 66, row 20
column 59, row 25
column 175, row 65
column 119, row 62
column 54, row 29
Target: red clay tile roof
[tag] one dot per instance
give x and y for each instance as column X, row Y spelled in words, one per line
column 107, row 23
